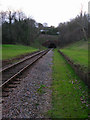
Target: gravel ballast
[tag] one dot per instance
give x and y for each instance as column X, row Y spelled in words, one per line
column 32, row 97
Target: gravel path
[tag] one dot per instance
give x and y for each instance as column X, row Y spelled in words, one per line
column 32, row 97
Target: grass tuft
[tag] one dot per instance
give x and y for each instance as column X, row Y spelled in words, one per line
column 40, row 90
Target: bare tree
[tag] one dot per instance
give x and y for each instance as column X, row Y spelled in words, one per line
column 83, row 23
column 74, row 30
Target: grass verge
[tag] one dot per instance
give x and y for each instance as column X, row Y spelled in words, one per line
column 78, row 52
column 69, row 93
column 11, row 51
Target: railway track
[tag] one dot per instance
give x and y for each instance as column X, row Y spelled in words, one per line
column 12, row 61
column 10, row 73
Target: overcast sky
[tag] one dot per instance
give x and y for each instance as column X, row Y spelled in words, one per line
column 50, row 11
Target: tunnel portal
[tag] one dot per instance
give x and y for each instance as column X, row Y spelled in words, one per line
column 52, row 45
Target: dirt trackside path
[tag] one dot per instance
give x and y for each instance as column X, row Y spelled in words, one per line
column 32, row 97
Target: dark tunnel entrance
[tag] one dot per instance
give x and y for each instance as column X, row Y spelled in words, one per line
column 52, row 45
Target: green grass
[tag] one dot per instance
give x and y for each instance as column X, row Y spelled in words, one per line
column 78, row 52
column 11, row 51
column 67, row 91
column 40, row 90
column 36, row 44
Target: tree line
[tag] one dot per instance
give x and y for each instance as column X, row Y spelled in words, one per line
column 75, row 30
column 17, row 28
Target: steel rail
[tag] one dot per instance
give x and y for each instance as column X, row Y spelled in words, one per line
column 18, row 73
column 13, row 65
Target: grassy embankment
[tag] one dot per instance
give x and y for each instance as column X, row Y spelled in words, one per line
column 11, row 51
column 78, row 53
column 69, row 93
column 42, row 39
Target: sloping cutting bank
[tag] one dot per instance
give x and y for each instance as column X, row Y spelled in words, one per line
column 78, row 69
